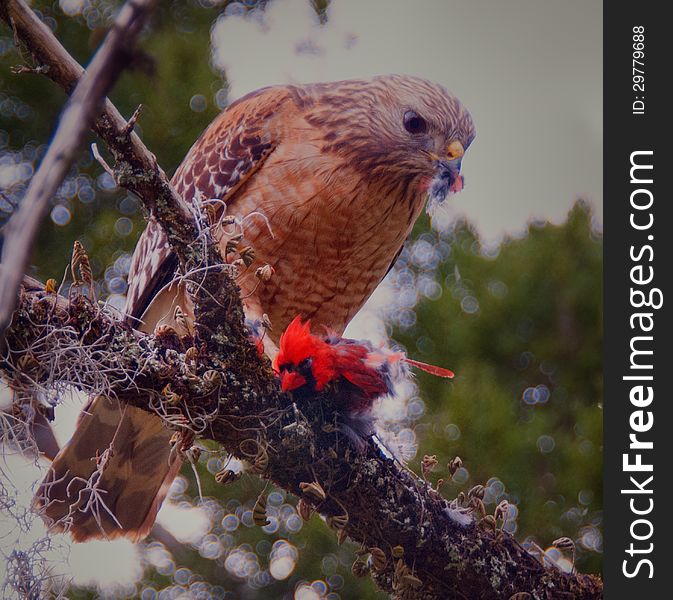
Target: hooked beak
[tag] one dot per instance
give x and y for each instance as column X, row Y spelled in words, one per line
column 291, row 380
column 448, row 179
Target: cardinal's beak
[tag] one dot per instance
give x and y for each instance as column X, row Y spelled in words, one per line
column 448, row 179
column 291, row 380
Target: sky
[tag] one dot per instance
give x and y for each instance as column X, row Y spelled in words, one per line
column 529, row 71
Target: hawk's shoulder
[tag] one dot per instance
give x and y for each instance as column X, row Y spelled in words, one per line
column 226, row 155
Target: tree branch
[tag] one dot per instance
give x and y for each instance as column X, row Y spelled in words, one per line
column 76, row 119
column 224, row 392
column 136, row 167
column 215, row 385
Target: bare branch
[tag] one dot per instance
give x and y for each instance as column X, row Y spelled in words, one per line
column 76, row 119
column 136, row 166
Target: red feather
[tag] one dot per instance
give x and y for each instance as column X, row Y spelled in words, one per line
column 432, row 369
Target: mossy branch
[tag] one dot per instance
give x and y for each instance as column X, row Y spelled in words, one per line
column 216, row 386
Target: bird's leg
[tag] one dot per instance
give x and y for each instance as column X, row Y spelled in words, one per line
column 259, row 325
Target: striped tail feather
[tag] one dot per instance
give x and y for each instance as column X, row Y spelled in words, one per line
column 111, row 478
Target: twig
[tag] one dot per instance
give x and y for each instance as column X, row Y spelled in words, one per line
column 21, row 69
column 133, row 120
column 101, row 161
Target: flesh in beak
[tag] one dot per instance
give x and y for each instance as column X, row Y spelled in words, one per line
column 447, row 180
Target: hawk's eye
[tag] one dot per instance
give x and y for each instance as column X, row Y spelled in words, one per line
column 414, row 123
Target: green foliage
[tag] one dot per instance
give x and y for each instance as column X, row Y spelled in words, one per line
column 522, row 328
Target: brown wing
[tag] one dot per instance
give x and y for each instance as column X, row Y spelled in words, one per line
column 217, row 166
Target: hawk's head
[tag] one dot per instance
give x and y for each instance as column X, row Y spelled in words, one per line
column 403, row 129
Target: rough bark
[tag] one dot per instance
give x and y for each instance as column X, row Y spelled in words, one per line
column 215, row 385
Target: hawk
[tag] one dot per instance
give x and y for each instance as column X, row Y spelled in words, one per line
column 327, row 181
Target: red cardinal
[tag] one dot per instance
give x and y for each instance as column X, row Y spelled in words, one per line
column 309, row 364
